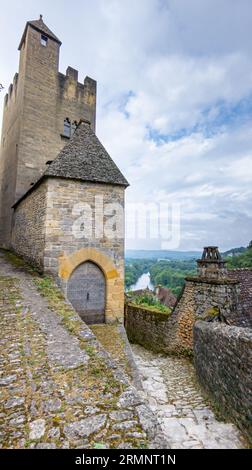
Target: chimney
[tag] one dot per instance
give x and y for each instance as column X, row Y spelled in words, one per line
column 211, row 265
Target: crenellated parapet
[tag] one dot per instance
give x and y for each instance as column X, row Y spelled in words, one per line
column 12, row 91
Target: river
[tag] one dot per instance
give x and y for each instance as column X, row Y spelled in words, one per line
column 143, row 282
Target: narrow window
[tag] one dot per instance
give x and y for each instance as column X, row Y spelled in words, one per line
column 43, row 40
column 67, row 128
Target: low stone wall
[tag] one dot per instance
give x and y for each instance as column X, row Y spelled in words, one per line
column 200, row 300
column 153, row 330
column 223, row 362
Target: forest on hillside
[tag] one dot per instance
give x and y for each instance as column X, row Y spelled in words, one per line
column 164, row 272
column 243, row 260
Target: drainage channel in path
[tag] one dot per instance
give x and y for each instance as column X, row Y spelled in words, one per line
column 173, row 394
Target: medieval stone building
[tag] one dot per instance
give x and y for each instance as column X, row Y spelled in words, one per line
column 41, row 110
column 62, row 196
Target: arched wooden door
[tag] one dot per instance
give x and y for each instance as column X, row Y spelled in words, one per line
column 86, row 292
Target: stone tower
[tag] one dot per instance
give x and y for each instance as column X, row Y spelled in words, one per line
column 70, row 224
column 41, row 111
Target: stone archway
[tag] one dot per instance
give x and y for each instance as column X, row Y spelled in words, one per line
column 114, row 297
column 86, row 290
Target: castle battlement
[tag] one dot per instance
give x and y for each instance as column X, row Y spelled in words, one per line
column 12, row 90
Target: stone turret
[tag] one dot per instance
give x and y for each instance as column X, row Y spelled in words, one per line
column 211, row 265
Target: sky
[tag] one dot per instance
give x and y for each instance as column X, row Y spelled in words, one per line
column 174, row 101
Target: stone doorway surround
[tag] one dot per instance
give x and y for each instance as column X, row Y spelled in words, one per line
column 114, row 302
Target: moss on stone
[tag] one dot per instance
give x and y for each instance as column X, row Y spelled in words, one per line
column 20, row 262
column 112, row 341
column 161, row 315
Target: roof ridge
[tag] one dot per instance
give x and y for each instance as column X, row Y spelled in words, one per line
column 40, row 26
column 85, row 158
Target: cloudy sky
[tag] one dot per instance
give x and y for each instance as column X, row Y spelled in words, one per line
column 174, row 100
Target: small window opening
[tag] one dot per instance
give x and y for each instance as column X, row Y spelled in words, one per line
column 43, row 40
column 67, row 128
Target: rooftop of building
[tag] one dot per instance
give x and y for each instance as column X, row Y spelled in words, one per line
column 40, row 26
column 166, row 296
column 83, row 158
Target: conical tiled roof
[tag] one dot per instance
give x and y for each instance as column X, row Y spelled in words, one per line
column 40, row 26
column 84, row 158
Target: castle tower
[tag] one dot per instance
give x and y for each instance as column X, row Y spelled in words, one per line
column 74, row 226
column 41, row 111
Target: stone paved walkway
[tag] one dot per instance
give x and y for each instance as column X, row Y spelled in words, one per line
column 58, row 387
column 186, row 419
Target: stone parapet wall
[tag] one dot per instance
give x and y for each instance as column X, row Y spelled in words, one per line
column 201, row 299
column 223, row 362
column 153, row 330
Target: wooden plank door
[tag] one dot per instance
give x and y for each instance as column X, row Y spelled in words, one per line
column 86, row 292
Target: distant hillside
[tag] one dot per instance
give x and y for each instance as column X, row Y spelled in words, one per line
column 234, row 251
column 162, row 254
column 244, row 260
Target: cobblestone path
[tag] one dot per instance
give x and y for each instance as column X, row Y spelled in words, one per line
column 58, row 387
column 186, row 418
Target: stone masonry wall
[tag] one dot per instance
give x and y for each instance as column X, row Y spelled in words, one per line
column 174, row 333
column 47, row 233
column 223, row 362
column 205, row 299
column 35, row 107
column 49, row 98
column 153, row 330
column 64, row 220
column 28, row 235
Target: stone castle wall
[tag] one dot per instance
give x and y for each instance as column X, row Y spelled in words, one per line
column 223, row 362
column 64, row 249
column 9, row 154
column 48, row 226
column 28, row 235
